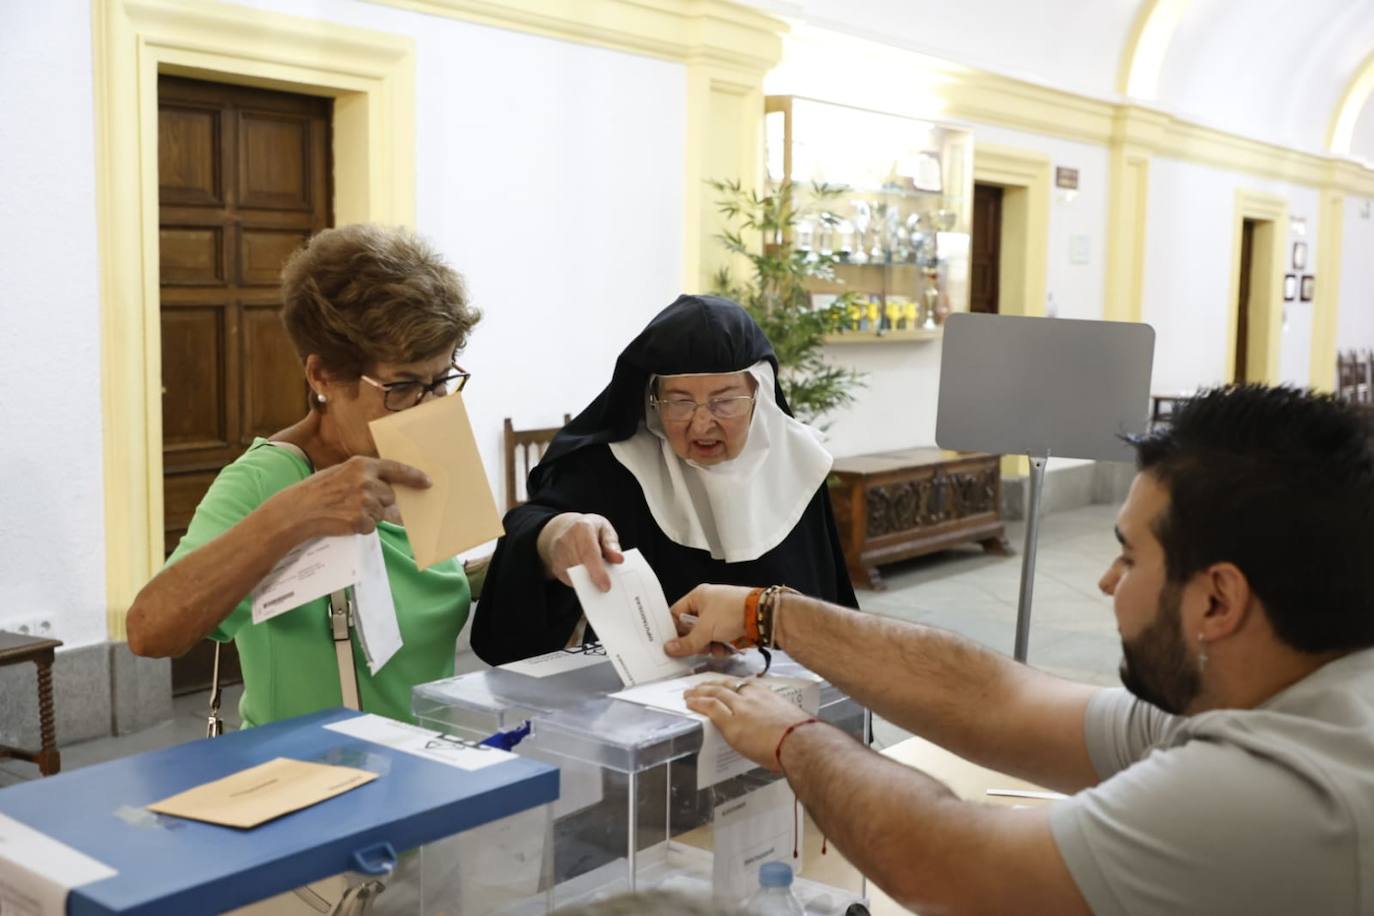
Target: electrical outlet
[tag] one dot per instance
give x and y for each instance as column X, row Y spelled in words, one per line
column 30, row 626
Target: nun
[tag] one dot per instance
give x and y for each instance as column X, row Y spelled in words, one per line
column 691, row 455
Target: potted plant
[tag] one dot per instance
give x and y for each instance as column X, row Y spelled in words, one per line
column 777, row 296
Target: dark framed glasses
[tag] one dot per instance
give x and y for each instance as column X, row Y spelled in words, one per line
column 409, row 392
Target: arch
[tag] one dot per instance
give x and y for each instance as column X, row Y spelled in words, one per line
column 1147, row 46
column 1341, row 134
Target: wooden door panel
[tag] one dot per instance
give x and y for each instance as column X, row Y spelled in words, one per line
column 189, row 144
column 244, row 180
column 263, row 251
column 194, row 341
column 273, row 396
column 985, row 249
column 191, row 255
column 274, row 152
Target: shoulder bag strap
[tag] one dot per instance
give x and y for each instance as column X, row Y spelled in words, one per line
column 340, row 622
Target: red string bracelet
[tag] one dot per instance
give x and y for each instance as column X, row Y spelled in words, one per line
column 777, row 753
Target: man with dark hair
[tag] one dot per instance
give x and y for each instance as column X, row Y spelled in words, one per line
column 1235, row 774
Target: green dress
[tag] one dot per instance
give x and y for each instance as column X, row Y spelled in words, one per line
column 289, row 664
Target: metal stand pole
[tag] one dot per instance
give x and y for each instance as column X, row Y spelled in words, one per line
column 1023, row 608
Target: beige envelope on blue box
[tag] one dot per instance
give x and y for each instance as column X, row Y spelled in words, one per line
column 458, row 512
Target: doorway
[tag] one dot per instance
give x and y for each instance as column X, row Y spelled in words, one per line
column 1247, row 266
column 985, row 261
column 244, row 180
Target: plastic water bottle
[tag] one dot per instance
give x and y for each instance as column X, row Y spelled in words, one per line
column 774, row 896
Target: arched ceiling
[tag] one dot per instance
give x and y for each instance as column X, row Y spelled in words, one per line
column 1274, row 70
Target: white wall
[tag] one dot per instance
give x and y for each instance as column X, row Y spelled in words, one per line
column 1186, row 294
column 1356, row 322
column 52, row 546
column 551, row 175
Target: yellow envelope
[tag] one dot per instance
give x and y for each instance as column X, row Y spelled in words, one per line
column 262, row 793
column 458, row 511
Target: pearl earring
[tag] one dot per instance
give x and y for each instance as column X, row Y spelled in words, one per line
column 1201, row 653
column 321, row 398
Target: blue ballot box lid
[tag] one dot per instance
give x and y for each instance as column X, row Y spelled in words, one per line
column 175, row 866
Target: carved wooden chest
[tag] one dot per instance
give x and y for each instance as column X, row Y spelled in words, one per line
column 894, row 505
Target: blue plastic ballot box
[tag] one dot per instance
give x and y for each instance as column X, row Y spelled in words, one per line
column 168, row 865
column 648, row 798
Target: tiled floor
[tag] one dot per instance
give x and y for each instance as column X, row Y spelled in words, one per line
column 1072, row 632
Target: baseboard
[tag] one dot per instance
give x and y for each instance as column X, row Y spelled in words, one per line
column 1094, row 483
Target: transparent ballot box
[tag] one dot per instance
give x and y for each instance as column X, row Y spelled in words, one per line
column 640, row 805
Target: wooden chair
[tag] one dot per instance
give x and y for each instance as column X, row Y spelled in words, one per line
column 524, row 448
column 1355, row 377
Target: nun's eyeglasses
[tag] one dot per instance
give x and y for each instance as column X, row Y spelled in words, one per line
column 680, row 410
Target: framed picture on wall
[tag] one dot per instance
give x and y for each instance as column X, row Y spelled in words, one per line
column 1309, row 284
column 1290, row 287
column 1299, row 256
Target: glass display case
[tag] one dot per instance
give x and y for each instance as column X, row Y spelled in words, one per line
column 887, row 199
column 632, row 812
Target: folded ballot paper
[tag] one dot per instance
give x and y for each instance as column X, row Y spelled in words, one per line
column 633, row 622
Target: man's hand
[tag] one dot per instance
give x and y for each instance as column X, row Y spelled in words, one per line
column 719, row 619
column 752, row 718
column 577, row 539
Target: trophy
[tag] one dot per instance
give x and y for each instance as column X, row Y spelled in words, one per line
column 863, row 218
column 806, row 236
column 844, row 240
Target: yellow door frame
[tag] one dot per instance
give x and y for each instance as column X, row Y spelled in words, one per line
column 370, row 75
column 1023, row 247
column 1265, row 323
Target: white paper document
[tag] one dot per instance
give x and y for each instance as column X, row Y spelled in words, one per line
column 325, row 565
column 749, row 831
column 37, row 871
column 309, row 571
column 374, row 610
column 559, row 661
column 718, row 761
column 631, row 620
column 411, row 739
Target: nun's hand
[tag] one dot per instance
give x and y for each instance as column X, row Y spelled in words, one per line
column 577, row 539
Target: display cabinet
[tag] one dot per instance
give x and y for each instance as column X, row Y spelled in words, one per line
column 898, row 232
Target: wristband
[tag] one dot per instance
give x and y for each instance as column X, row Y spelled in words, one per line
column 777, row 753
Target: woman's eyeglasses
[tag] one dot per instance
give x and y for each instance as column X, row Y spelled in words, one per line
column 408, row 393
column 680, row 410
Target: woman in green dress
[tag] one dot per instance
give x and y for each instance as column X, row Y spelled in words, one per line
column 378, row 319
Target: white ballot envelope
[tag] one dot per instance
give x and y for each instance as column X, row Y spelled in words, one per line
column 631, row 620
column 325, row 565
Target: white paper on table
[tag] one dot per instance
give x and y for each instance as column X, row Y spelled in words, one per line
column 717, row 761
column 308, row 571
column 421, row 742
column 559, row 661
column 374, row 610
column 749, row 831
column 631, row 620
column 37, row 871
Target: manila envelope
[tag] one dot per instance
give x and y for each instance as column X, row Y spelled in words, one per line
column 456, row 513
column 259, row 794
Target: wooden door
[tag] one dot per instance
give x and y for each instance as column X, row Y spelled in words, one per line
column 1247, row 257
column 243, row 180
column 985, row 253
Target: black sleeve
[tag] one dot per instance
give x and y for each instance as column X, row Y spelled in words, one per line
column 844, row 587
column 521, row 613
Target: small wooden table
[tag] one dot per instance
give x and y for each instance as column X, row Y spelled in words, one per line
column 14, row 649
column 894, row 505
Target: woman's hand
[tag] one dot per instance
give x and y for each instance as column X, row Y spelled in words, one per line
column 577, row 539
column 718, row 612
column 352, row 497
